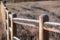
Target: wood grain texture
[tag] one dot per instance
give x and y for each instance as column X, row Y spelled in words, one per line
column 3, row 16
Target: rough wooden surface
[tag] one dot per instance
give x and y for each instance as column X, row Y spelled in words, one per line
column 2, row 32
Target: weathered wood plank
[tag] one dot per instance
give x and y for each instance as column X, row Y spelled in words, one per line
column 11, row 26
column 51, row 29
column 41, row 28
column 43, row 34
column 3, row 16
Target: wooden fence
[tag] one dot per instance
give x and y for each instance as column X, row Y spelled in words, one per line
column 10, row 20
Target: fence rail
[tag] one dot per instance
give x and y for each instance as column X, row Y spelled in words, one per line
column 11, row 25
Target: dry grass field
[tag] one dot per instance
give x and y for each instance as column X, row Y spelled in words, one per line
column 50, row 8
column 32, row 10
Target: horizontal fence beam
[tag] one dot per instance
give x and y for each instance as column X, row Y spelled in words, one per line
column 28, row 20
column 24, row 23
column 52, row 23
column 45, row 28
column 36, row 21
column 51, row 29
column 16, row 38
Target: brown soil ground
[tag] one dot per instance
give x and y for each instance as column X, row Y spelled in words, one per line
column 32, row 10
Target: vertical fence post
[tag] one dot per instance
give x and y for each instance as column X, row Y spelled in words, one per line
column 3, row 16
column 14, row 27
column 40, row 28
column 11, row 26
column 43, row 34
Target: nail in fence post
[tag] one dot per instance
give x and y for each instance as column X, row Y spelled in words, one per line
column 43, row 34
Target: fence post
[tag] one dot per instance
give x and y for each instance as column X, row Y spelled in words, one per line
column 14, row 27
column 11, row 26
column 43, row 34
column 3, row 16
column 40, row 28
